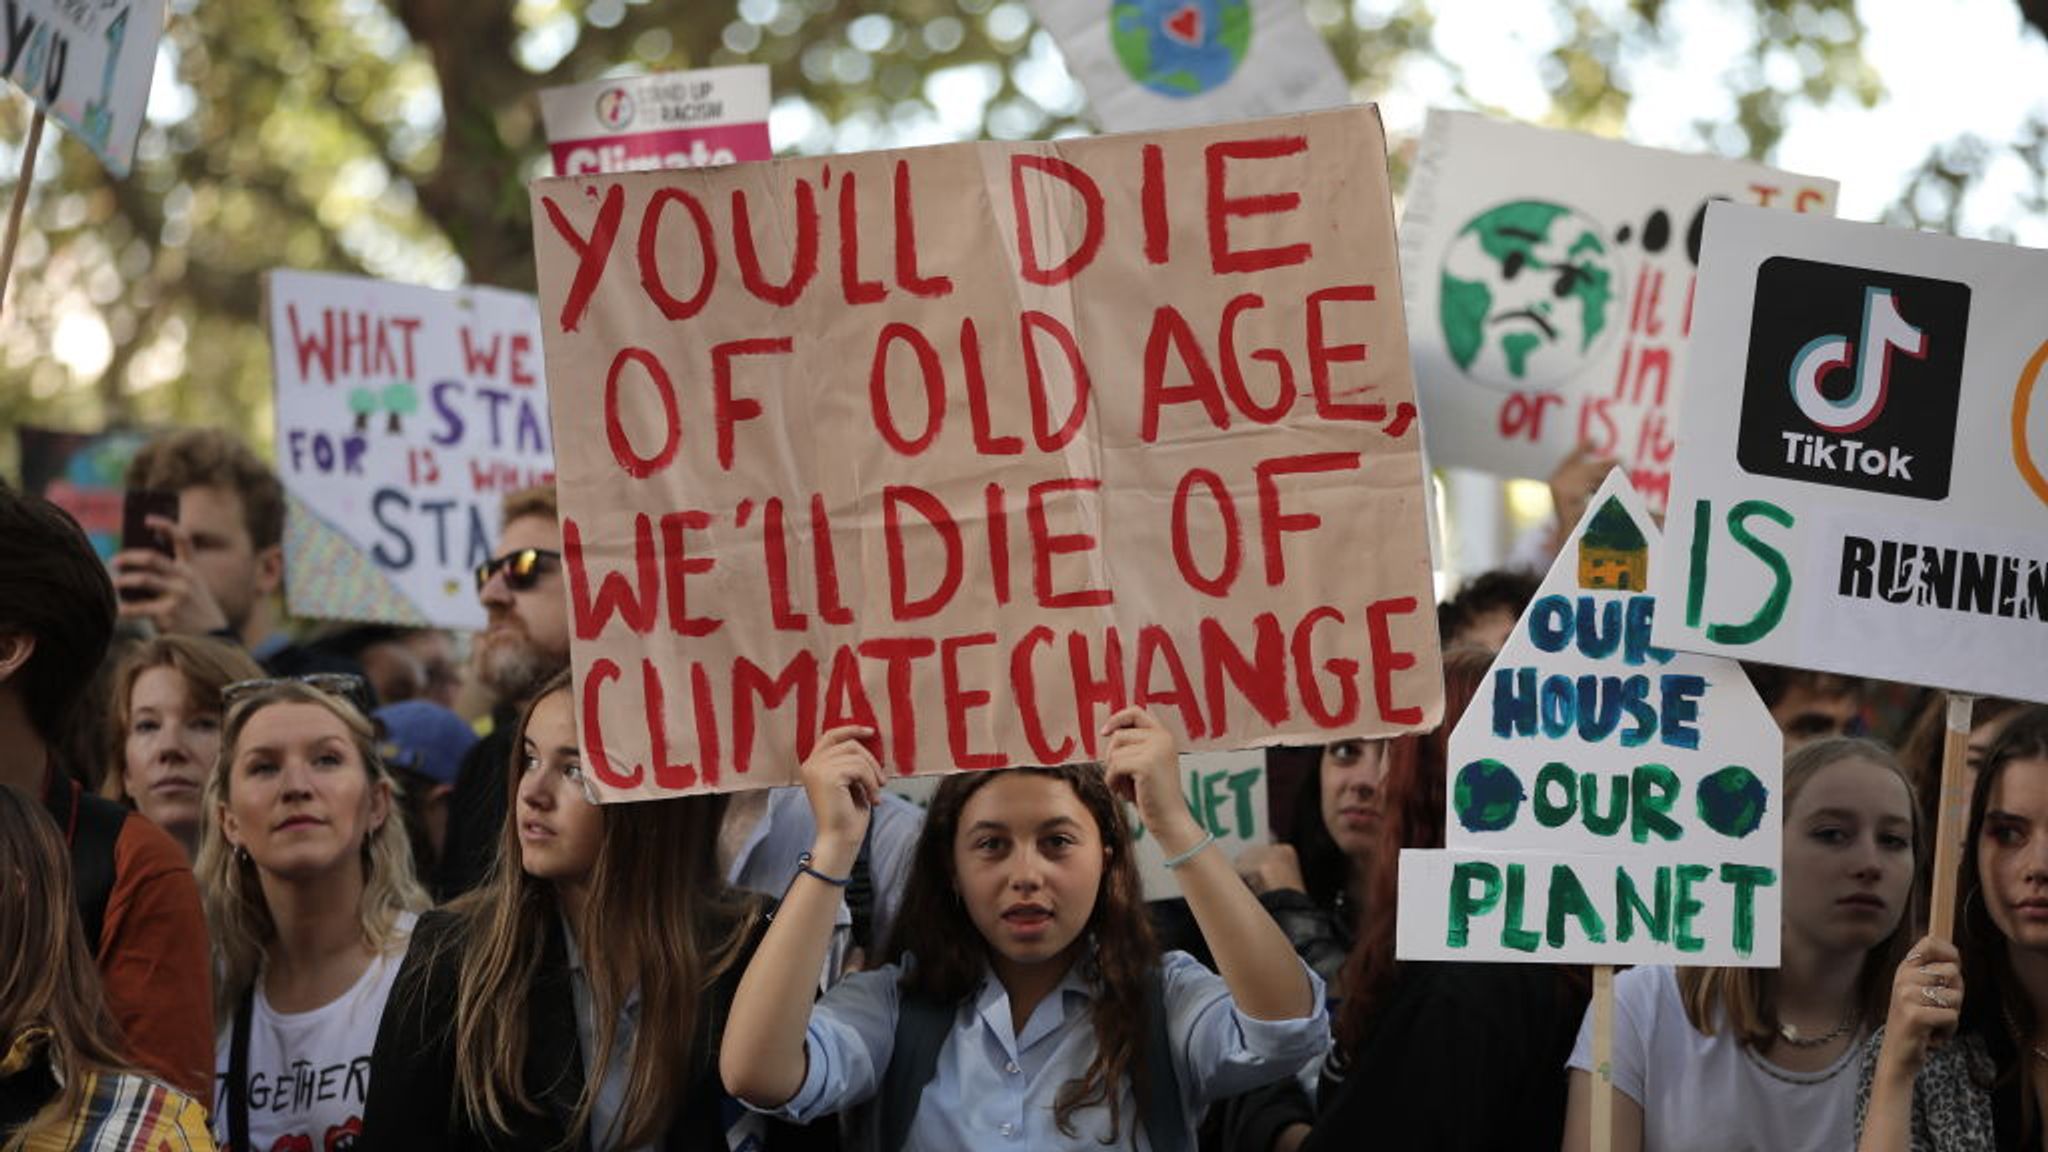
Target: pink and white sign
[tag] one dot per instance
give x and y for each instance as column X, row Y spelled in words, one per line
column 669, row 120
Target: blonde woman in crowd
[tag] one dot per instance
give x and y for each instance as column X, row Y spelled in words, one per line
column 309, row 885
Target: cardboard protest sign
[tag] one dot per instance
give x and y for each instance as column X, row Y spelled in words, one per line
column 404, row 416
column 975, row 444
column 1861, row 489
column 668, row 120
column 1610, row 802
column 88, row 65
column 1149, row 64
column 1550, row 282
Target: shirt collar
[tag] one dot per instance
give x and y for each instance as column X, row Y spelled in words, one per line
column 1073, row 993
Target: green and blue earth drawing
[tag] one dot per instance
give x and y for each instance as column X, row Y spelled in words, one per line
column 1180, row 48
column 1530, row 288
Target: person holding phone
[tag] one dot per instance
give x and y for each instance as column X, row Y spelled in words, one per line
column 216, row 567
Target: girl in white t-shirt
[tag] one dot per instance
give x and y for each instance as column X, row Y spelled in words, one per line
column 309, row 887
column 1757, row 1058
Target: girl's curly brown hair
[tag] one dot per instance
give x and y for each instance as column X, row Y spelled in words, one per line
column 951, row 957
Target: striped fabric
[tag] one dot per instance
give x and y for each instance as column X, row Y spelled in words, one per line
column 127, row 1113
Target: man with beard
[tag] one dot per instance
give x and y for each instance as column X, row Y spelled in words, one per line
column 525, row 643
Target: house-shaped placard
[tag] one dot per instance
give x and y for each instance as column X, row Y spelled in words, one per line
column 1610, row 802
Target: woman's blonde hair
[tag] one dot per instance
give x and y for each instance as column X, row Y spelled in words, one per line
column 48, row 981
column 207, row 666
column 1748, row 996
column 228, row 883
column 669, row 927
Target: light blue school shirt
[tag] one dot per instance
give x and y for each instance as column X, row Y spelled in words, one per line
column 994, row 1089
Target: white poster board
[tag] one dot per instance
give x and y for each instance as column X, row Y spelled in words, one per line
column 404, row 417
column 1861, row 488
column 88, row 63
column 1550, row 275
column 1171, row 63
column 667, row 120
column 1610, row 802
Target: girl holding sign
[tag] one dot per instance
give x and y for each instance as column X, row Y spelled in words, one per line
column 574, row 1001
column 1712, row 1058
column 1951, row 1075
column 1028, row 1004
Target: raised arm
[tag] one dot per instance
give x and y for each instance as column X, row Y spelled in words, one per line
column 1265, row 977
column 1927, row 1002
column 762, row 1057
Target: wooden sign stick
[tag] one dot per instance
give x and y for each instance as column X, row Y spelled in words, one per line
column 1603, row 1058
column 1950, row 816
column 21, row 186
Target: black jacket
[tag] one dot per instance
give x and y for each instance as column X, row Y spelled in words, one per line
column 413, row 1095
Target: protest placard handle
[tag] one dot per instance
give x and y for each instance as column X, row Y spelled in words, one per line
column 1603, row 1058
column 28, row 172
column 1950, row 815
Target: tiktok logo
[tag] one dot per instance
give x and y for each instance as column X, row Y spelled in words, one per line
column 1853, row 378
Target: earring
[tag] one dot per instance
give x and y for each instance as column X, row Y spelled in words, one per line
column 241, row 854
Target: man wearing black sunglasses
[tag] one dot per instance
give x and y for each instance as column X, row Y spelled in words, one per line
column 525, row 642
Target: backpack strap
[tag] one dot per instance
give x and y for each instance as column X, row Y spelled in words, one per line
column 1164, row 1118
column 922, row 1024
column 860, row 897
column 238, row 1074
column 91, row 831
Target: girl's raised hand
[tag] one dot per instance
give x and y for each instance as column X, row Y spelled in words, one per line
column 1142, row 766
column 844, row 782
column 1927, row 1001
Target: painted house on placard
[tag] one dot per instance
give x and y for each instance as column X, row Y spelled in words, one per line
column 1612, row 551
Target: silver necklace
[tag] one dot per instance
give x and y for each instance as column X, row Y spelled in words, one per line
column 1801, row 1079
column 1790, row 1035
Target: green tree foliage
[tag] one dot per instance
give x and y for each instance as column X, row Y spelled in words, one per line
column 394, row 138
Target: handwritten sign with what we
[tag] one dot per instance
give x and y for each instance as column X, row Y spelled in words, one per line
column 404, row 416
column 1611, row 802
column 976, row 444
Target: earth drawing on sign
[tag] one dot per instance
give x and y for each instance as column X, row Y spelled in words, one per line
column 1180, row 48
column 1529, row 293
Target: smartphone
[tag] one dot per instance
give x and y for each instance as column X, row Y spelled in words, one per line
column 137, row 506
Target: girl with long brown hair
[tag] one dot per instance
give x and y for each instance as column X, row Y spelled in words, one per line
column 575, row 1000
column 1710, row 1058
column 1028, row 1004
column 1956, row 1073
column 64, row 1078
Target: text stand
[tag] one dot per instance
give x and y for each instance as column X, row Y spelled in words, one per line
column 28, row 172
column 1603, row 1057
column 1949, row 815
